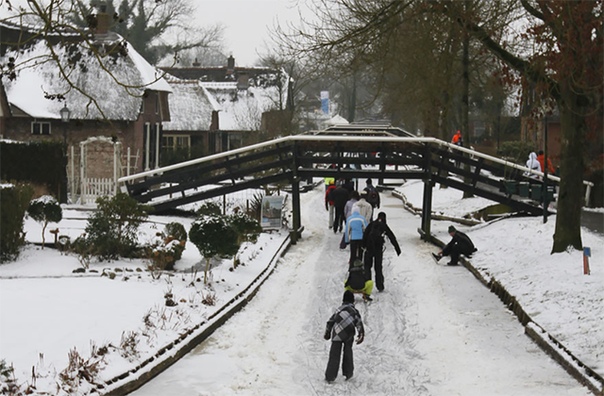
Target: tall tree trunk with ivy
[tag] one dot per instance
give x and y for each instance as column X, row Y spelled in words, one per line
column 570, row 197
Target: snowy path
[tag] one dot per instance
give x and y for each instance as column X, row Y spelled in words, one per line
column 435, row 330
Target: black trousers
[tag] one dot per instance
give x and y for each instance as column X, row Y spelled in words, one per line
column 373, row 258
column 356, row 251
column 331, row 372
column 454, row 251
column 339, row 219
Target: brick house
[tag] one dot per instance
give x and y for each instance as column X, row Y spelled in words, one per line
column 116, row 102
column 215, row 109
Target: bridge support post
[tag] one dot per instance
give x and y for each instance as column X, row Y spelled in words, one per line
column 296, row 231
column 426, row 233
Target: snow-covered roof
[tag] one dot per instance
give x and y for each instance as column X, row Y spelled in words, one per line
column 242, row 109
column 115, row 83
column 337, row 120
column 190, row 106
column 239, row 95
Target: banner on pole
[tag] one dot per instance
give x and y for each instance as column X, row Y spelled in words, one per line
column 325, row 102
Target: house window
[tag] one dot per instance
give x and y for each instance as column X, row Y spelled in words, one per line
column 40, row 128
column 157, row 103
column 174, row 142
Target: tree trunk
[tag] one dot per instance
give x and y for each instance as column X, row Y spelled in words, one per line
column 205, row 272
column 570, row 195
column 465, row 102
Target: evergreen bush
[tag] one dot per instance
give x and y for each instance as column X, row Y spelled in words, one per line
column 15, row 200
column 45, row 210
column 48, row 169
column 213, row 236
column 113, row 229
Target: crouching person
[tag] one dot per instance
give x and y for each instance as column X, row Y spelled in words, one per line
column 357, row 281
column 341, row 328
column 460, row 244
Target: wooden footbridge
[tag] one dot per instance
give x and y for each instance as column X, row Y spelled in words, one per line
column 351, row 152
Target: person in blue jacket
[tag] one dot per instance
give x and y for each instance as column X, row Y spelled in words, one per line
column 353, row 234
column 341, row 328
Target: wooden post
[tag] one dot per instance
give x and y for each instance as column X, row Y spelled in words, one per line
column 586, row 256
column 427, row 198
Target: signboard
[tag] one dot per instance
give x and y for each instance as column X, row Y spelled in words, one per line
column 270, row 213
column 325, row 102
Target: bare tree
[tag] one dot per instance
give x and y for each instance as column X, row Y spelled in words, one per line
column 71, row 49
column 156, row 29
column 565, row 63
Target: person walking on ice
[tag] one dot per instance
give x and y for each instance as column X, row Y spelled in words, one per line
column 373, row 242
column 372, row 196
column 353, row 234
column 460, row 244
column 329, row 204
column 341, row 328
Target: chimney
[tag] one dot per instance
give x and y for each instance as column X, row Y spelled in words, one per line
column 103, row 19
column 196, row 63
column 230, row 65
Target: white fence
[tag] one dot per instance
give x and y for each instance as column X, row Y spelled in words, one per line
column 92, row 188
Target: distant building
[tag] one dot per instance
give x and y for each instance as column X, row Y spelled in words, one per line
column 215, row 109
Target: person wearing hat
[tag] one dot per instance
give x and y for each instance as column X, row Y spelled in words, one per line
column 341, row 328
column 460, row 244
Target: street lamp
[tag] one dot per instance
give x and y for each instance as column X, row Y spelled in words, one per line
column 65, row 115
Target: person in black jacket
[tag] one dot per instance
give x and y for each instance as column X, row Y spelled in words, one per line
column 373, row 242
column 341, row 328
column 339, row 196
column 460, row 244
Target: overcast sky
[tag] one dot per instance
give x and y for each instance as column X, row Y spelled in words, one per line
column 247, row 23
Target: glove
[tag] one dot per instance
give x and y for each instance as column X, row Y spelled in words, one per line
column 326, row 208
column 326, row 335
column 360, row 339
column 398, row 252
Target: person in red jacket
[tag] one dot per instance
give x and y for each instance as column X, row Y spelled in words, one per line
column 541, row 159
column 329, row 202
column 457, row 139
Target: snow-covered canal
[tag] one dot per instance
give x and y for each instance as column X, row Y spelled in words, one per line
column 435, row 330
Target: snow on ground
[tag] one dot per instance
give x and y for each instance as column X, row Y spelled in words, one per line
column 435, row 330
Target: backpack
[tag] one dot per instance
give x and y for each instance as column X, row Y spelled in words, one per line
column 373, row 197
column 356, row 277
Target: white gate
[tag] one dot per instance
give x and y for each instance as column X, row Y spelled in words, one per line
column 92, row 188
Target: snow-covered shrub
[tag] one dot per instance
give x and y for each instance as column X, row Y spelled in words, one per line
column 83, row 248
column 129, row 345
column 213, row 236
column 45, row 209
column 208, row 208
column 8, row 383
column 166, row 248
column 80, row 375
column 113, row 228
column 247, row 230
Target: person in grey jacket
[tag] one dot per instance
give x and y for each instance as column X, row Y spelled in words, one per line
column 341, row 328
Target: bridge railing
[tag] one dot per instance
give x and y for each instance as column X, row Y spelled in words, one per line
column 334, row 139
